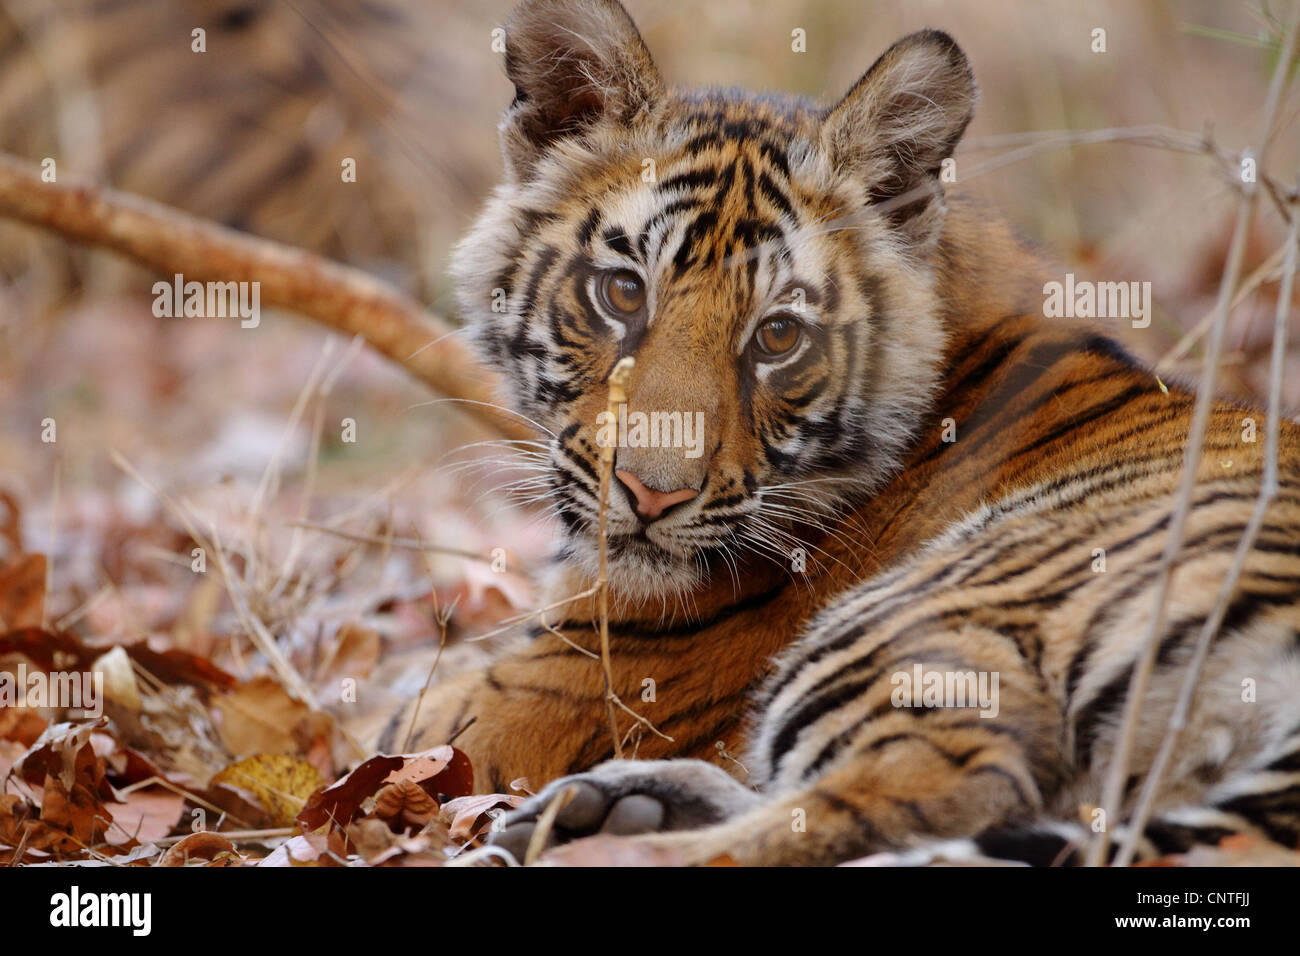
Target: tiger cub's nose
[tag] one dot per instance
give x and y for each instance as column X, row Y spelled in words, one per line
column 650, row 505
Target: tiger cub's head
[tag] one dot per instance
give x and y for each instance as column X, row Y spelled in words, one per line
column 765, row 262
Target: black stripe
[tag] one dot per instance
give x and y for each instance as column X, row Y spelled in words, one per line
column 588, row 227
column 696, row 232
column 690, row 179
column 1110, row 698
column 1035, row 847
column 645, row 630
column 1076, row 424
column 774, row 195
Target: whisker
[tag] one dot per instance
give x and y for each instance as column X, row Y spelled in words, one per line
column 471, row 401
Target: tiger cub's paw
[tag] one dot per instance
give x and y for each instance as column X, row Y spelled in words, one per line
column 626, row 798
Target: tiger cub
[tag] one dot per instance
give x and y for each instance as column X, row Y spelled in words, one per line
column 895, row 594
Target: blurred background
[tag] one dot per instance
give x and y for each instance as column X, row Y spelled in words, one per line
column 229, row 424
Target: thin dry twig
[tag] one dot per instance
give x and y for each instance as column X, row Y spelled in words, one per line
column 1117, row 773
column 319, row 392
column 262, row 638
column 343, row 298
column 460, row 730
column 546, row 822
column 234, row 836
column 54, row 528
column 1267, row 492
column 443, row 617
column 641, row 721
column 156, row 781
column 618, row 382
column 551, row 628
column 21, row 849
column 1266, row 271
column 618, row 701
column 510, row 622
column 1020, row 146
column 389, row 541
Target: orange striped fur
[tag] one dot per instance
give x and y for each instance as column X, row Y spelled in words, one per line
column 774, row 683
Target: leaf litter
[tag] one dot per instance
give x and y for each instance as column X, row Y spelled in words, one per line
column 248, row 631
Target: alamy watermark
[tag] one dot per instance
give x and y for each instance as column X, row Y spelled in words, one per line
column 208, row 300
column 77, row 690
column 1084, row 299
column 651, row 430
column 133, row 911
column 935, row 688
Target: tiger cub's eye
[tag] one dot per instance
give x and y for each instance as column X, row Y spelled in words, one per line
column 622, row 291
column 778, row 336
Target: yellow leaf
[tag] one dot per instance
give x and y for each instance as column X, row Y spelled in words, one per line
column 280, row 783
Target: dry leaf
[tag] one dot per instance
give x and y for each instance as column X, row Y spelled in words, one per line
column 22, row 591
column 280, row 783
column 11, row 751
column 442, row 770
column 48, row 650
column 241, row 807
column 19, row 825
column 405, row 805
column 340, row 802
column 147, row 815
column 259, row 717
column 66, row 750
column 311, row 849
column 21, row 724
column 374, row 842
column 119, row 678
column 468, row 814
column 181, row 667
column 202, row 846
column 77, row 811
column 356, row 652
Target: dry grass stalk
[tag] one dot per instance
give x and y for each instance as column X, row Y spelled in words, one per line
column 235, row 836
column 49, row 561
column 1267, row 271
column 262, row 639
column 198, row 801
column 1026, row 145
column 1267, row 492
column 1117, row 772
column 618, row 381
column 546, row 823
column 319, row 392
column 443, row 618
column 388, row 541
column 510, row 622
column 21, row 850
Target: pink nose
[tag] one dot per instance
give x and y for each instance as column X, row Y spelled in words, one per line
column 651, row 504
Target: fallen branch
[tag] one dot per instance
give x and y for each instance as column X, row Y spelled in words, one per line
column 343, row 298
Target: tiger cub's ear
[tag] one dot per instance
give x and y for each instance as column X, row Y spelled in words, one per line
column 575, row 64
column 897, row 125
